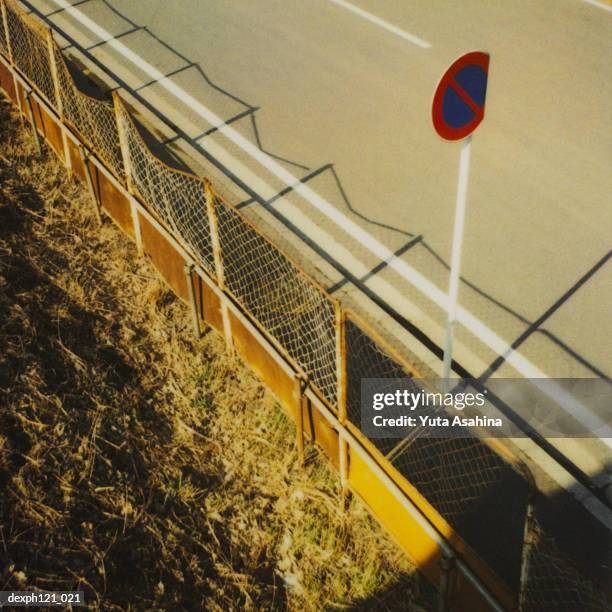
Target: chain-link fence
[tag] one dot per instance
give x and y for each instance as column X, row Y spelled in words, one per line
column 272, row 288
column 365, row 358
column 472, row 486
column 554, row 582
column 3, row 42
column 480, row 495
column 476, row 491
column 94, row 119
column 30, row 49
column 176, row 196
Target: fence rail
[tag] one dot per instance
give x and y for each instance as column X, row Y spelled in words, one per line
column 462, row 508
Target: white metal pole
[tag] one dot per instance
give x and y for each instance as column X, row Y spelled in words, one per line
column 453, row 287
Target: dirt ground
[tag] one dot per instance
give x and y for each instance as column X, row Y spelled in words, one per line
column 138, row 464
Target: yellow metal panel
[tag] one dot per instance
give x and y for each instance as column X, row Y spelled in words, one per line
column 168, row 261
column 284, row 386
column 115, row 204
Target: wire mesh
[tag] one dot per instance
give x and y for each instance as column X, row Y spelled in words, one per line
column 286, row 303
column 3, row 43
column 176, row 196
column 29, row 44
column 480, row 495
column 366, row 359
column 93, row 119
column 553, row 582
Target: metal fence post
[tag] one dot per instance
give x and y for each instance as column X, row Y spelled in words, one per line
column 529, row 539
column 189, row 267
column 54, row 76
column 90, row 184
column 7, row 37
column 218, row 257
column 30, row 111
column 343, row 460
column 343, row 450
column 340, row 324
column 127, row 167
column 301, row 404
column 51, row 47
column 447, row 563
column 123, row 144
column 9, row 48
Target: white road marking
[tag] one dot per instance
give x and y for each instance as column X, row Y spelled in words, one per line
column 601, row 5
column 424, row 285
column 415, row 40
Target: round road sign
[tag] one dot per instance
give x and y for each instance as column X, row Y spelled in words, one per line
column 459, row 101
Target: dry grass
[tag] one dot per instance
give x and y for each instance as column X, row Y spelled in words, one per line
column 138, row 464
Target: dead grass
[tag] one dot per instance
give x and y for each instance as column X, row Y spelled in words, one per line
column 142, row 466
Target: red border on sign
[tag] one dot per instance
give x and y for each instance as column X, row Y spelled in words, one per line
column 444, row 130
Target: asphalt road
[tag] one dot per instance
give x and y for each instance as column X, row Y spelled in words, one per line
column 331, row 85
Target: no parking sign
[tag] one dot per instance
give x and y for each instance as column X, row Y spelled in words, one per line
column 457, row 110
column 459, row 101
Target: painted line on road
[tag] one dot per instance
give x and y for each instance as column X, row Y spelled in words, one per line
column 601, row 5
column 415, row 40
column 405, row 270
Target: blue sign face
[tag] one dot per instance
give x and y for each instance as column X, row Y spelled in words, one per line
column 459, row 101
column 465, row 97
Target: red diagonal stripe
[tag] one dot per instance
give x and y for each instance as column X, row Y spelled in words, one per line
column 465, row 97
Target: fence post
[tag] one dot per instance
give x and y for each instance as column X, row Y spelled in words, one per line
column 189, row 267
column 447, row 563
column 123, row 143
column 58, row 95
column 30, row 111
column 218, row 256
column 343, row 451
column 90, row 184
column 9, row 48
column 127, row 167
column 301, row 403
column 343, row 459
column 7, row 37
column 54, row 75
column 529, row 538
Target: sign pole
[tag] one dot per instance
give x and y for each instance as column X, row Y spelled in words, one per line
column 453, row 288
column 457, row 110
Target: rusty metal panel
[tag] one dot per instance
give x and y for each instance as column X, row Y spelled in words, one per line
column 115, row 203
column 21, row 100
column 36, row 111
column 169, row 263
column 6, row 81
column 76, row 163
column 318, row 429
column 280, row 381
column 285, row 387
column 52, row 132
column 208, row 304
